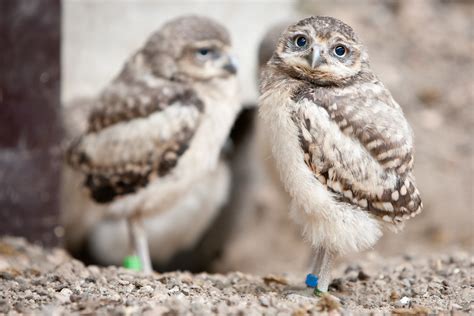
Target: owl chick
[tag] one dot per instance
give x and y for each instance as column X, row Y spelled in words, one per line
column 160, row 125
column 342, row 144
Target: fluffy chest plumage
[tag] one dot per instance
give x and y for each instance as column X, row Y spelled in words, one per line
column 221, row 106
column 277, row 111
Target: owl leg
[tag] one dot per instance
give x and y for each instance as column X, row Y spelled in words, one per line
column 322, row 268
column 139, row 242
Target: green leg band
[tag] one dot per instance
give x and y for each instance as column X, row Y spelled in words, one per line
column 132, row 263
column 318, row 293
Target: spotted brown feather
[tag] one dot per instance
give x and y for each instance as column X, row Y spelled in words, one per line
column 114, row 174
column 392, row 204
column 138, row 100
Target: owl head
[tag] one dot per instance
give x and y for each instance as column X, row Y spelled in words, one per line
column 187, row 48
column 322, row 50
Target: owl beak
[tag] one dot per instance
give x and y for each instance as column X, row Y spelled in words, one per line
column 232, row 65
column 314, row 58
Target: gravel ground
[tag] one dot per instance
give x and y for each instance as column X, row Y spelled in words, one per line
column 41, row 281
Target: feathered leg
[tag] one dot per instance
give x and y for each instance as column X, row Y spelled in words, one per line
column 322, row 268
column 139, row 242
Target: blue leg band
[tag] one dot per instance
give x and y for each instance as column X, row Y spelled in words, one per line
column 311, row 280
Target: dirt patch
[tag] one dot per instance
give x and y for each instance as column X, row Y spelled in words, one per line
column 33, row 279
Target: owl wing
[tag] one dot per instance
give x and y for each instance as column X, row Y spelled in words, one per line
column 360, row 147
column 134, row 134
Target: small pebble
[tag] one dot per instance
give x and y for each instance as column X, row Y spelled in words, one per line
column 362, row 276
column 64, row 295
column 404, row 301
column 337, row 285
column 394, row 296
column 455, row 306
column 146, row 289
column 174, row 290
column 264, row 301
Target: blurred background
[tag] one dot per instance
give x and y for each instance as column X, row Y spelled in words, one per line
column 421, row 50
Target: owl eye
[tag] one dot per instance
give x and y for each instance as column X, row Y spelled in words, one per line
column 340, row 50
column 203, row 51
column 301, row 41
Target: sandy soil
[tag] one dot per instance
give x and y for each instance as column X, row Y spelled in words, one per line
column 39, row 281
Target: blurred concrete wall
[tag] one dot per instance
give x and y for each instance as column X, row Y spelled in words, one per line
column 99, row 35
